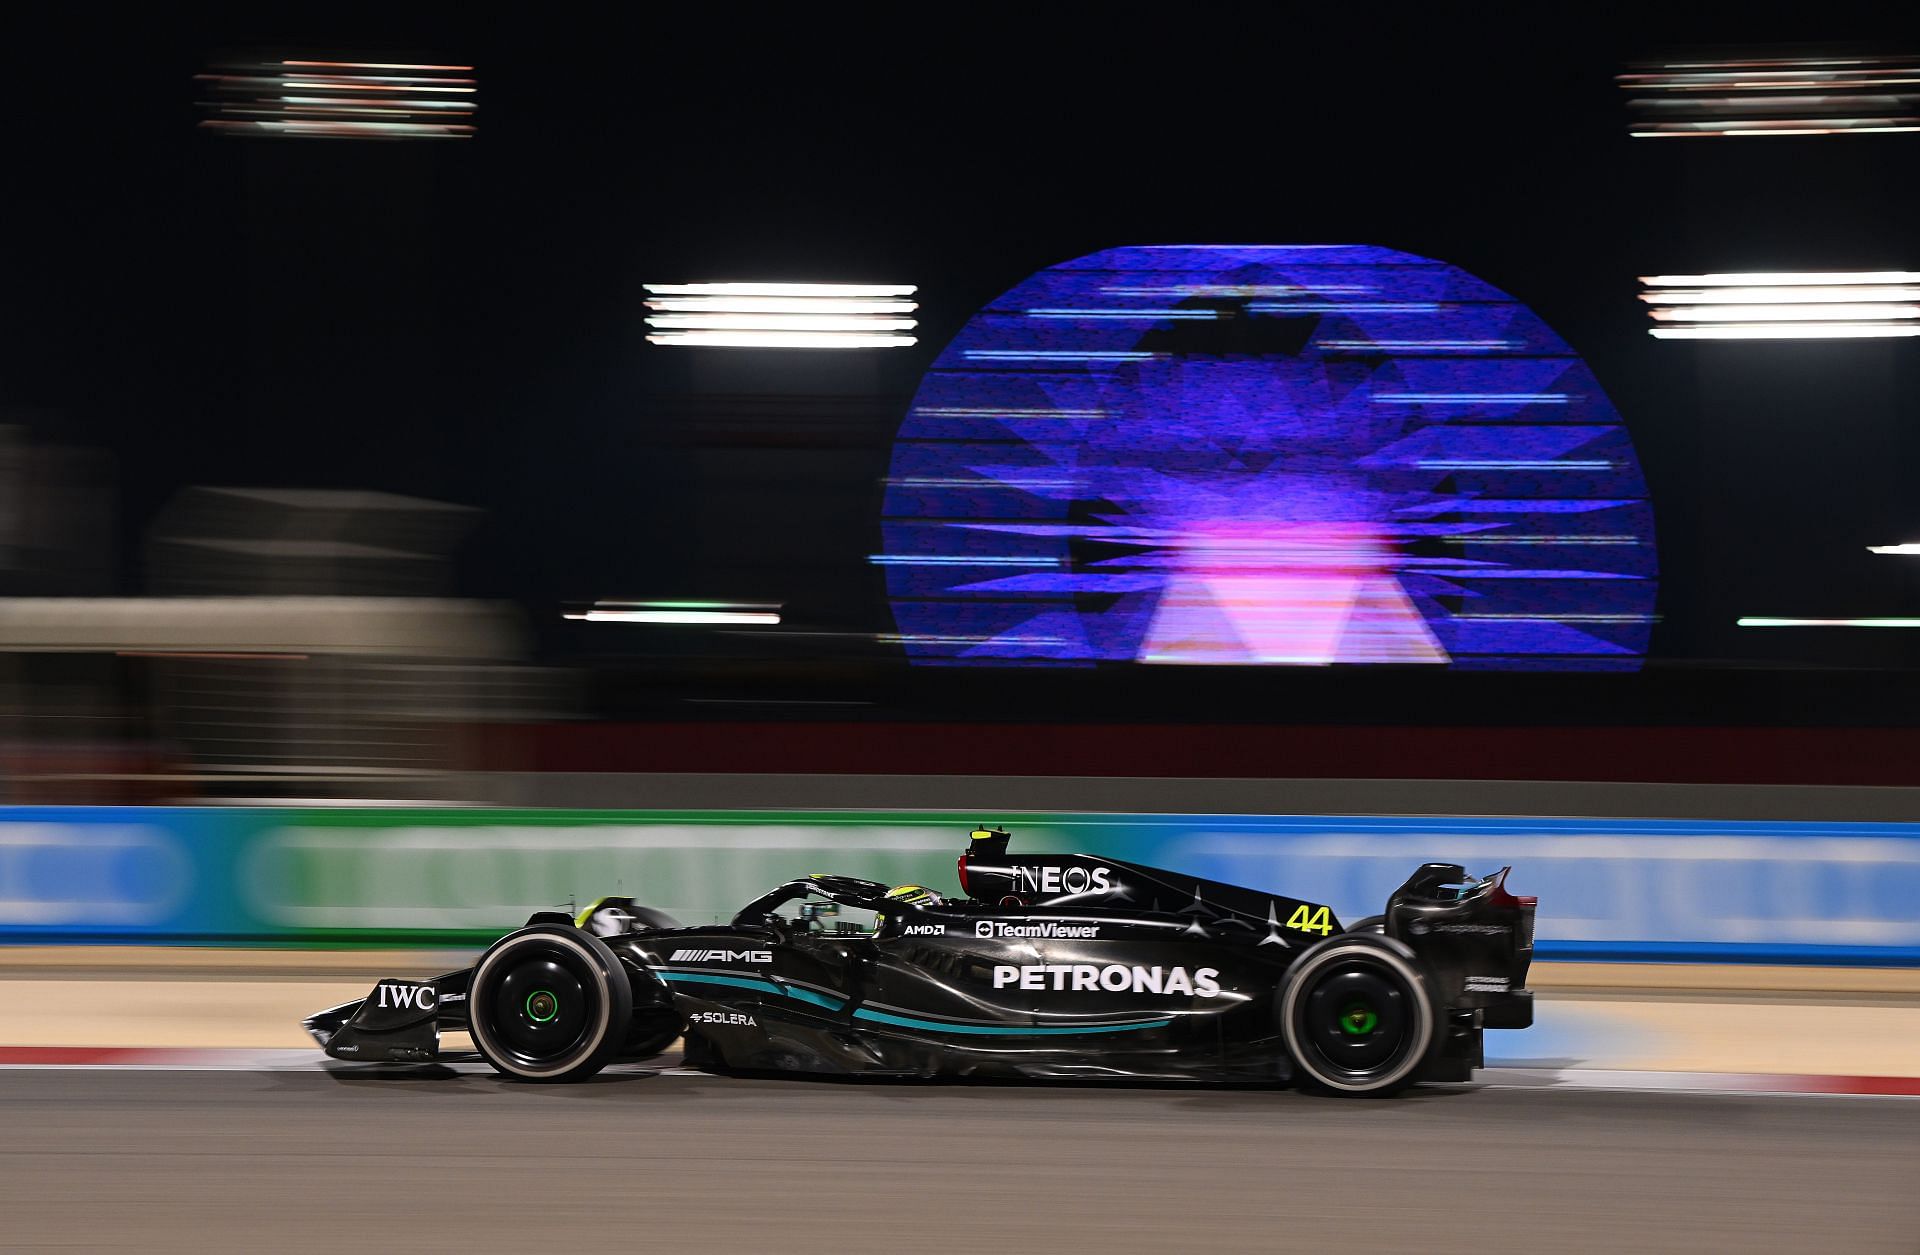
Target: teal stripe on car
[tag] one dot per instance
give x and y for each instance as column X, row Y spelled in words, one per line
column 761, row 986
column 1004, row 1030
column 904, row 1021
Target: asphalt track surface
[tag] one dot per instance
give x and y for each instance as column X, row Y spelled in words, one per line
column 435, row 1159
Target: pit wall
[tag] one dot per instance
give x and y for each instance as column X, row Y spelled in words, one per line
column 1610, row 889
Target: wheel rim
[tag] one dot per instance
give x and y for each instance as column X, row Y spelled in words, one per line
column 1358, row 1019
column 542, row 1005
column 1356, row 1023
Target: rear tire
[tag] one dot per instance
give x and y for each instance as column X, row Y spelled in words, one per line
column 549, row 1003
column 1357, row 1017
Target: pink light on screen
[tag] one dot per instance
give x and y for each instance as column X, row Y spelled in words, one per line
column 1306, row 594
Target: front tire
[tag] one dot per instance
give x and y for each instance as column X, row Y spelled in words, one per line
column 549, row 1004
column 1357, row 1016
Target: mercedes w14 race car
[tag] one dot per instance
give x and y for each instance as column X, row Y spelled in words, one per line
column 1050, row 966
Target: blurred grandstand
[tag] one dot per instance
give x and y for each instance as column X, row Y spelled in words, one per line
column 292, row 646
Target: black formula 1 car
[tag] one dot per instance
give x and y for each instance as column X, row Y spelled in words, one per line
column 1052, row 966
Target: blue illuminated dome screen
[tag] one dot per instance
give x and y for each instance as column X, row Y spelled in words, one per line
column 1264, row 456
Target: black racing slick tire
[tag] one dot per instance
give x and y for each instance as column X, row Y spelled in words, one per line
column 549, row 1003
column 1371, row 924
column 1357, row 1016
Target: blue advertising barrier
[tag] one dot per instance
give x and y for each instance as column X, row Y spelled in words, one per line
column 1609, row 889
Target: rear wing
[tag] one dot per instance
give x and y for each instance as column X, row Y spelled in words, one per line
column 1475, row 937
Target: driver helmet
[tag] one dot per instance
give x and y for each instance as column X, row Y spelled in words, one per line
column 914, row 895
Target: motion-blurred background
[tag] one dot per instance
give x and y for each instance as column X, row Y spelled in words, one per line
column 406, row 373
column 383, row 420
column 647, row 413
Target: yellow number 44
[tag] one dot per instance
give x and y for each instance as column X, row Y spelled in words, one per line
column 1317, row 921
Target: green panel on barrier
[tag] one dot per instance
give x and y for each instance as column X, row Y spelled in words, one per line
column 1608, row 888
column 405, row 875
